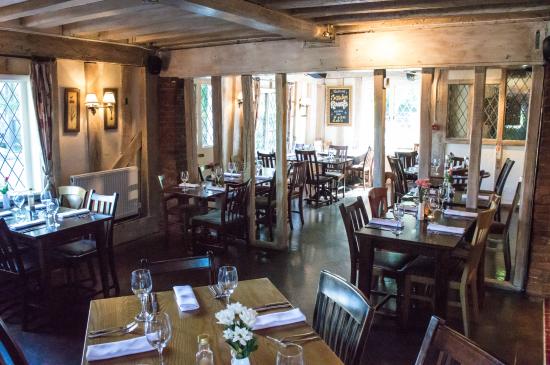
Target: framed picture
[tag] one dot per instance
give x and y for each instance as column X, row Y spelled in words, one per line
column 71, row 119
column 110, row 113
column 338, row 102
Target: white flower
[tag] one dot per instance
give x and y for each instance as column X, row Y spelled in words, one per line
column 228, row 334
column 248, row 316
column 237, row 308
column 225, row 317
column 241, row 335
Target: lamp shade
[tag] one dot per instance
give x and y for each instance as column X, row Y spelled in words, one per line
column 91, row 100
column 109, row 98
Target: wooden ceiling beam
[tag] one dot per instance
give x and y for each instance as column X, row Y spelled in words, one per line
column 290, row 4
column 35, row 7
column 168, row 36
column 406, row 5
column 93, row 11
column 252, row 16
column 224, row 41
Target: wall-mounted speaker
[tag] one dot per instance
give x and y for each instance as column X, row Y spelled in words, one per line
column 154, row 65
column 546, row 49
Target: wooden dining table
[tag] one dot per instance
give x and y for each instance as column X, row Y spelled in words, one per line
column 415, row 239
column 187, row 326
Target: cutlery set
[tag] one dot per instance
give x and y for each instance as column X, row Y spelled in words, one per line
column 270, row 306
column 298, row 339
column 113, row 331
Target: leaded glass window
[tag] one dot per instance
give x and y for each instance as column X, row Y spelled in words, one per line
column 207, row 127
column 518, row 85
column 490, row 109
column 266, row 124
column 458, row 110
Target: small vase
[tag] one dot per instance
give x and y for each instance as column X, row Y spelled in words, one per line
column 5, row 202
column 235, row 361
column 420, row 212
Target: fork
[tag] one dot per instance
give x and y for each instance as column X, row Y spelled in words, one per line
column 124, row 331
column 112, row 329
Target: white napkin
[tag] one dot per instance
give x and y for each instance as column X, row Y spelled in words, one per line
column 185, row 298
column 216, row 188
column 230, row 174
column 479, row 197
column 386, row 222
column 5, row 213
column 188, row 185
column 445, row 229
column 72, row 213
column 409, row 207
column 26, row 224
column 279, row 319
column 460, row 213
column 119, row 348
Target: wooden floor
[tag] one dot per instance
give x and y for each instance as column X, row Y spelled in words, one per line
column 511, row 325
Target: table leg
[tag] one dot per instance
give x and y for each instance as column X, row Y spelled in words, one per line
column 481, row 280
column 441, row 284
column 102, row 251
column 366, row 262
column 45, row 271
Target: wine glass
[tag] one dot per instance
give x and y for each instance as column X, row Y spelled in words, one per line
column 290, row 354
column 398, row 213
column 259, row 167
column 227, row 280
column 184, row 176
column 231, row 167
column 45, row 197
column 158, row 331
column 218, row 171
column 52, row 208
column 19, row 201
column 142, row 284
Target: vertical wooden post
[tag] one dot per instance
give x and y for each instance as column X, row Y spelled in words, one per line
column 425, row 151
column 190, row 129
column 216, row 82
column 93, row 85
column 281, row 163
column 126, row 95
column 249, row 171
column 148, row 163
column 476, row 137
column 379, row 163
column 525, row 214
column 500, row 123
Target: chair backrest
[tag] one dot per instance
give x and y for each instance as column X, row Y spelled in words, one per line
column 369, row 158
column 203, row 264
column 389, row 178
column 268, row 159
column 10, row 259
column 378, row 202
column 10, row 353
column 235, row 202
column 443, row 345
column 343, row 317
column 400, row 180
column 408, row 159
column 503, row 176
column 71, row 196
column 104, row 204
column 201, row 170
column 355, row 217
column 298, row 176
column 479, row 240
column 313, row 169
column 515, row 202
column 456, row 161
column 341, row 151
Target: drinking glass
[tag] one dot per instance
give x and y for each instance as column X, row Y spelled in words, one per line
column 398, row 213
column 45, row 197
column 53, row 207
column 142, row 284
column 218, row 170
column 227, row 280
column 158, row 331
column 259, row 167
column 19, row 201
column 231, row 167
column 184, row 175
column 291, row 354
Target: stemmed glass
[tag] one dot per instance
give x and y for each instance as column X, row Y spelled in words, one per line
column 231, row 167
column 259, row 167
column 184, row 176
column 19, row 201
column 142, row 284
column 51, row 208
column 45, row 197
column 158, row 331
column 218, row 171
column 398, row 213
column 227, row 280
column 290, row 354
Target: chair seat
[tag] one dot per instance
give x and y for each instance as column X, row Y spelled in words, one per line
column 358, row 167
column 322, row 180
column 425, row 267
column 391, row 261
column 77, row 249
column 213, row 217
column 262, row 202
column 335, row 174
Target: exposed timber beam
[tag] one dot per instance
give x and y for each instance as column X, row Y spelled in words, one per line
column 31, row 44
column 289, row 4
column 170, row 36
column 162, row 40
column 35, row 7
column 93, row 11
column 252, row 16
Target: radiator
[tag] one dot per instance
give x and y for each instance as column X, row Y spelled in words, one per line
column 123, row 181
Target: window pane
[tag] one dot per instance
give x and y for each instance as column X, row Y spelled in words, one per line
column 490, row 107
column 518, row 85
column 266, row 126
column 11, row 150
column 458, row 111
column 207, row 128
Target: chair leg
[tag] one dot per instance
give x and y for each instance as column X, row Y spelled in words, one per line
column 289, row 212
column 465, row 309
column 25, row 314
column 406, row 302
column 475, row 302
column 507, row 256
column 91, row 271
column 114, row 275
column 301, row 207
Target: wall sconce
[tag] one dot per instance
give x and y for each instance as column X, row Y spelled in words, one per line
column 93, row 104
column 304, row 105
column 240, row 99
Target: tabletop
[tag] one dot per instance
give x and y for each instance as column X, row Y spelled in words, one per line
column 185, row 327
column 198, row 192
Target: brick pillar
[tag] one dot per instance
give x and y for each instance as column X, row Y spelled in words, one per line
column 172, row 155
column 539, row 267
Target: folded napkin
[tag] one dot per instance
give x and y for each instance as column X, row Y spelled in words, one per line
column 119, row 348
column 445, row 229
column 460, row 213
column 26, row 224
column 386, row 222
column 479, row 197
column 279, row 319
column 185, row 298
column 230, row 174
column 72, row 213
column 188, row 185
column 36, row 206
column 5, row 213
column 409, row 207
column 216, row 188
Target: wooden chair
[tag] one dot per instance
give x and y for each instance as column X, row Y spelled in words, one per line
column 364, row 170
column 72, row 196
column 199, row 264
column 266, row 204
column 296, row 186
column 338, row 171
column 319, row 184
column 443, row 345
column 463, row 274
column 455, row 161
column 268, row 159
column 389, row 178
column 10, row 353
column 386, row 263
column 84, row 250
column 408, row 159
column 175, row 206
column 343, row 317
column 401, row 187
column 231, row 219
column 378, row 202
column 501, row 182
column 499, row 234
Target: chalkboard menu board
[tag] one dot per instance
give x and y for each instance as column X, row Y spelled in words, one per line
column 338, row 105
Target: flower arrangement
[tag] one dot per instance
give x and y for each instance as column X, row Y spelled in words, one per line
column 423, row 188
column 238, row 321
column 5, row 188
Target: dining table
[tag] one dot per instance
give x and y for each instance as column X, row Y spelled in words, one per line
column 186, row 326
column 415, row 239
